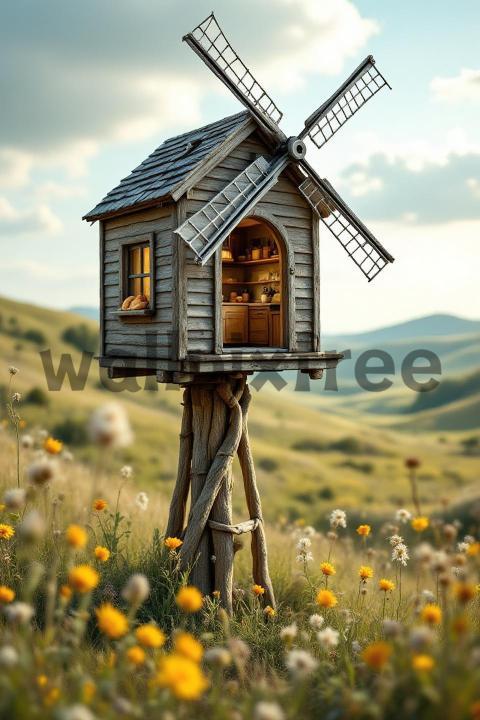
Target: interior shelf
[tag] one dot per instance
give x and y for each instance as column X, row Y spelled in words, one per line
column 262, row 261
column 249, row 282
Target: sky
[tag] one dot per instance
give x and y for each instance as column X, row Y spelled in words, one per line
column 90, row 89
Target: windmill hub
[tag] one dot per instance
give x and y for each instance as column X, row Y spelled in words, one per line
column 296, row 148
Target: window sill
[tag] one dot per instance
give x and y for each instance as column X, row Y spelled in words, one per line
column 133, row 313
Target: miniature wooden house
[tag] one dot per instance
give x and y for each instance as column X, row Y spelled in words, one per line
column 254, row 305
column 209, row 250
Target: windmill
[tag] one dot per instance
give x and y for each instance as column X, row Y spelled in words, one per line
column 211, row 225
column 165, row 310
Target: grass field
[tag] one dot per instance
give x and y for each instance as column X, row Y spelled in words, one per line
column 97, row 621
column 311, row 450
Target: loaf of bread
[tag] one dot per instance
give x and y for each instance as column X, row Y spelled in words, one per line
column 127, row 302
column 138, row 305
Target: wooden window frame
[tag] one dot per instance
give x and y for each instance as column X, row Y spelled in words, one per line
column 125, row 247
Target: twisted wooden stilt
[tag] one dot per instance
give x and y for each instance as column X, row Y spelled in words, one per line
column 261, row 574
column 214, row 429
column 178, row 503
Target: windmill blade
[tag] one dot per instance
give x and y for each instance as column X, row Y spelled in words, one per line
column 205, row 231
column 211, row 45
column 357, row 240
column 358, row 89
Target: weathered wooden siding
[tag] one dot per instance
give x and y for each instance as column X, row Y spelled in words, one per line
column 287, row 206
column 150, row 337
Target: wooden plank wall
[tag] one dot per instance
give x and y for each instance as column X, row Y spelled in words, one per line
column 283, row 202
column 148, row 338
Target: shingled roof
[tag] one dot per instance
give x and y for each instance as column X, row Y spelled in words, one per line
column 167, row 167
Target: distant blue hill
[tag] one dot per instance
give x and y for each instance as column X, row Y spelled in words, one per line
column 92, row 313
column 424, row 327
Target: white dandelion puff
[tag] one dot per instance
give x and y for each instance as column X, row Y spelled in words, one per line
column 300, row 663
column 137, row 589
column 338, row 518
column 15, row 498
column 109, row 426
column 400, row 554
column 289, row 632
column 316, row 621
column 268, row 711
column 328, row 638
column 402, row 515
column 141, row 501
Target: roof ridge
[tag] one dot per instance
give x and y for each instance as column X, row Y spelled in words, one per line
column 168, row 165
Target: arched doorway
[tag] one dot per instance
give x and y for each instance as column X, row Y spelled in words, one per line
column 253, row 287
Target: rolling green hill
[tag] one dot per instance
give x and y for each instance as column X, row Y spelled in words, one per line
column 311, row 451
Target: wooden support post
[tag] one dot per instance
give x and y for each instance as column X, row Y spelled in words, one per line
column 178, row 504
column 214, row 429
column 261, row 574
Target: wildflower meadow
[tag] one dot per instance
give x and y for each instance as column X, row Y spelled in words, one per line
column 373, row 620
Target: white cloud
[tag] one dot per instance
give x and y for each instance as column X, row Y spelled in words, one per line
column 460, row 88
column 432, row 273
column 473, row 185
column 127, row 76
column 318, row 38
column 34, row 220
column 415, row 153
column 15, row 166
column 50, row 189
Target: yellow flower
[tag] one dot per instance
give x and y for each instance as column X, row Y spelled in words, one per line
column 173, row 543
column 111, row 622
column 420, row 523
column 181, row 676
column 473, row 549
column 6, row 594
column 150, row 636
column 136, row 655
column 377, row 654
column 258, row 590
column 76, row 536
column 364, row 530
column 189, row 599
column 6, row 531
column 365, row 572
column 65, row 592
column 52, row 696
column 423, row 663
column 185, row 644
column 102, row 553
column 88, row 691
column 83, row 578
column 432, row 614
column 22, row 424
column 464, row 592
column 327, row 569
column 42, row 680
column 52, row 446
column 269, row 611
column 326, row 599
column 216, row 594
column 99, row 504
column 386, row 585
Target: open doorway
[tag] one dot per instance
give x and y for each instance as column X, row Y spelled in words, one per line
column 253, row 287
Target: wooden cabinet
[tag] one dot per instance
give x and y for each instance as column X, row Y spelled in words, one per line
column 275, row 329
column 252, row 325
column 235, row 324
column 258, row 326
